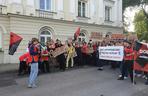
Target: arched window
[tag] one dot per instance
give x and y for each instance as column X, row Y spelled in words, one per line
column 45, row 35
column 82, row 37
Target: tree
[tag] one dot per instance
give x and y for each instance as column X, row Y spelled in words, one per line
column 141, row 25
column 127, row 3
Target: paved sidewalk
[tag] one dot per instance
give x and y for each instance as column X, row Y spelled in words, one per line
column 8, row 67
column 87, row 81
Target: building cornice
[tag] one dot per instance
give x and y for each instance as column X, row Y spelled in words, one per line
column 58, row 20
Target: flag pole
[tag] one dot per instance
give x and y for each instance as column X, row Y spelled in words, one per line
column 134, row 80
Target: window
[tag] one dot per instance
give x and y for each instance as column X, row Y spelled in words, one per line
column 45, row 5
column 45, row 35
column 107, row 13
column 81, row 9
column 82, row 37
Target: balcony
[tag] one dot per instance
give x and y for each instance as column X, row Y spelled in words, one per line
column 45, row 14
column 3, row 9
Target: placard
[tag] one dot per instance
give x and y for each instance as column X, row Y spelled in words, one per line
column 58, row 51
column 113, row 53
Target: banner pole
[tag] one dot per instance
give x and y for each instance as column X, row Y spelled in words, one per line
column 134, row 77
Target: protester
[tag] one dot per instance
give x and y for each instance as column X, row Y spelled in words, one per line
column 70, row 55
column 100, row 62
column 60, row 58
column 94, row 54
column 128, row 61
column 122, row 69
column 23, row 63
column 45, row 63
column 78, row 58
column 50, row 48
column 34, row 52
column 84, row 50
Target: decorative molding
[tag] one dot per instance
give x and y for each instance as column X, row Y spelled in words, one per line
column 60, row 21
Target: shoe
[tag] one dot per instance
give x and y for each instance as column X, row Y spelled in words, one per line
column 34, row 86
column 100, row 68
column 29, row 86
column 120, row 78
column 125, row 77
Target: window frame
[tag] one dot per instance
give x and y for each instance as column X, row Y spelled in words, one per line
column 45, row 36
column 108, row 11
column 45, row 4
column 82, row 8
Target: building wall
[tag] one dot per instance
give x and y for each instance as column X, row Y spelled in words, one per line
column 68, row 10
column 28, row 27
column 21, row 17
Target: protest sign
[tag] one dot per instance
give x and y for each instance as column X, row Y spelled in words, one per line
column 113, row 53
column 58, row 51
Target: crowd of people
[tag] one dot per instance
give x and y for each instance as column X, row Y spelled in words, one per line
column 40, row 58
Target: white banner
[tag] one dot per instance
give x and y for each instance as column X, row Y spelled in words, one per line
column 113, row 53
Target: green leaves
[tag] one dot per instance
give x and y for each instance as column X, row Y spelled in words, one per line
column 127, row 3
column 141, row 25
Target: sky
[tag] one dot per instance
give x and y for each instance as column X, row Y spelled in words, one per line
column 129, row 14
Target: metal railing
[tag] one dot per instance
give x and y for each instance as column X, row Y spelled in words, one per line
column 44, row 14
column 3, row 9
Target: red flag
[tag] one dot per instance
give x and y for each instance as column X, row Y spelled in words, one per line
column 141, row 57
column 14, row 42
column 77, row 33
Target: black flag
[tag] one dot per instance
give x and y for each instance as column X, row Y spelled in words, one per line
column 14, row 42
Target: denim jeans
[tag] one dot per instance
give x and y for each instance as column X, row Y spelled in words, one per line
column 33, row 73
